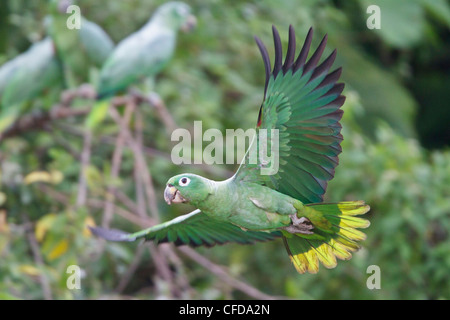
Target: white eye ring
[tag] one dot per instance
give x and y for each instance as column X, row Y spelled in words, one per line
column 184, row 181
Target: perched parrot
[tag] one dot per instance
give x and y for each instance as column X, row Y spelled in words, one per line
column 78, row 49
column 142, row 54
column 25, row 77
column 302, row 99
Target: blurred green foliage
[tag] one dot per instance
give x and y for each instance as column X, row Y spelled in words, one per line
column 396, row 83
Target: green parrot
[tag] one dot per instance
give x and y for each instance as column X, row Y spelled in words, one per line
column 302, row 100
column 142, row 54
column 25, row 77
column 78, row 49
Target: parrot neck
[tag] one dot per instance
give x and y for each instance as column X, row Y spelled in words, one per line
column 160, row 22
column 217, row 198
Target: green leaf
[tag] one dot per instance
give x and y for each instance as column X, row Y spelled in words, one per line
column 97, row 114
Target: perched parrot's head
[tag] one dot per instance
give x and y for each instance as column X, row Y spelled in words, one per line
column 176, row 15
column 59, row 6
column 187, row 188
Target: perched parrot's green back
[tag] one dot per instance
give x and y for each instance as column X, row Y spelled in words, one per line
column 140, row 56
column 26, row 76
column 78, row 49
column 146, row 52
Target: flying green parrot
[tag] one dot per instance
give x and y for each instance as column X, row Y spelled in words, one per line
column 79, row 49
column 142, row 54
column 302, row 100
column 25, row 77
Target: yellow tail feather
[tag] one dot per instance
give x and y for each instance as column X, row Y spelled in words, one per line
column 305, row 251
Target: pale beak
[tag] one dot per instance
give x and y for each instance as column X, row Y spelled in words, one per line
column 191, row 23
column 172, row 195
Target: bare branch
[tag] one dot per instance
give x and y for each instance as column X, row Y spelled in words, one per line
column 225, row 276
column 38, row 120
column 115, row 167
column 131, row 270
column 45, row 284
column 61, row 110
column 140, row 165
column 155, row 100
column 140, row 197
column 85, row 159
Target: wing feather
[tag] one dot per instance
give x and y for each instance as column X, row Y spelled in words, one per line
column 194, row 229
column 303, row 103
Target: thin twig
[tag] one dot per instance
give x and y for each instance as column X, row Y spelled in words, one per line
column 225, row 276
column 127, row 202
column 139, row 188
column 45, row 284
column 61, row 110
column 131, row 270
column 155, row 100
column 38, row 120
column 99, row 204
column 85, row 159
column 218, row 171
column 159, row 259
column 180, row 277
column 140, row 165
column 163, row 269
column 115, row 165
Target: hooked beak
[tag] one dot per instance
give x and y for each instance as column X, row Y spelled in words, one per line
column 190, row 24
column 172, row 195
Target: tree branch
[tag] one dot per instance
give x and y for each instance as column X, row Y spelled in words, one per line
column 45, row 284
column 85, row 159
column 115, row 166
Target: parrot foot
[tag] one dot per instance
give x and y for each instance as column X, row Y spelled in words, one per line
column 299, row 225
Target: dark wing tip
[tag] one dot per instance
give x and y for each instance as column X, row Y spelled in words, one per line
column 111, row 234
column 278, row 52
column 300, row 62
column 266, row 60
column 311, row 64
column 290, row 55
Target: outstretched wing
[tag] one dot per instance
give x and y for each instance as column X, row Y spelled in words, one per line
column 194, row 229
column 302, row 104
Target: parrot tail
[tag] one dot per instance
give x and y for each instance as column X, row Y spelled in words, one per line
column 334, row 235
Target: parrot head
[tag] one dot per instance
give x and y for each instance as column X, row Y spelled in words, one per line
column 187, row 188
column 60, row 6
column 177, row 15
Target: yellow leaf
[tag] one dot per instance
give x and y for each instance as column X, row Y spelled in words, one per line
column 88, row 222
column 2, row 198
column 6, row 121
column 57, row 176
column 53, row 177
column 43, row 225
column 29, row 270
column 38, row 176
column 58, row 250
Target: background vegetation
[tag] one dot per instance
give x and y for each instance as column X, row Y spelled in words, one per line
column 395, row 157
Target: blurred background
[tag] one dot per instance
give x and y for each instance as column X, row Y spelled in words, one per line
column 55, row 179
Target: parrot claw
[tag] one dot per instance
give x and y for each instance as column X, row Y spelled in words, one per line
column 299, row 225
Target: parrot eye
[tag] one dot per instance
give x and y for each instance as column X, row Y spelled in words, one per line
column 184, row 181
